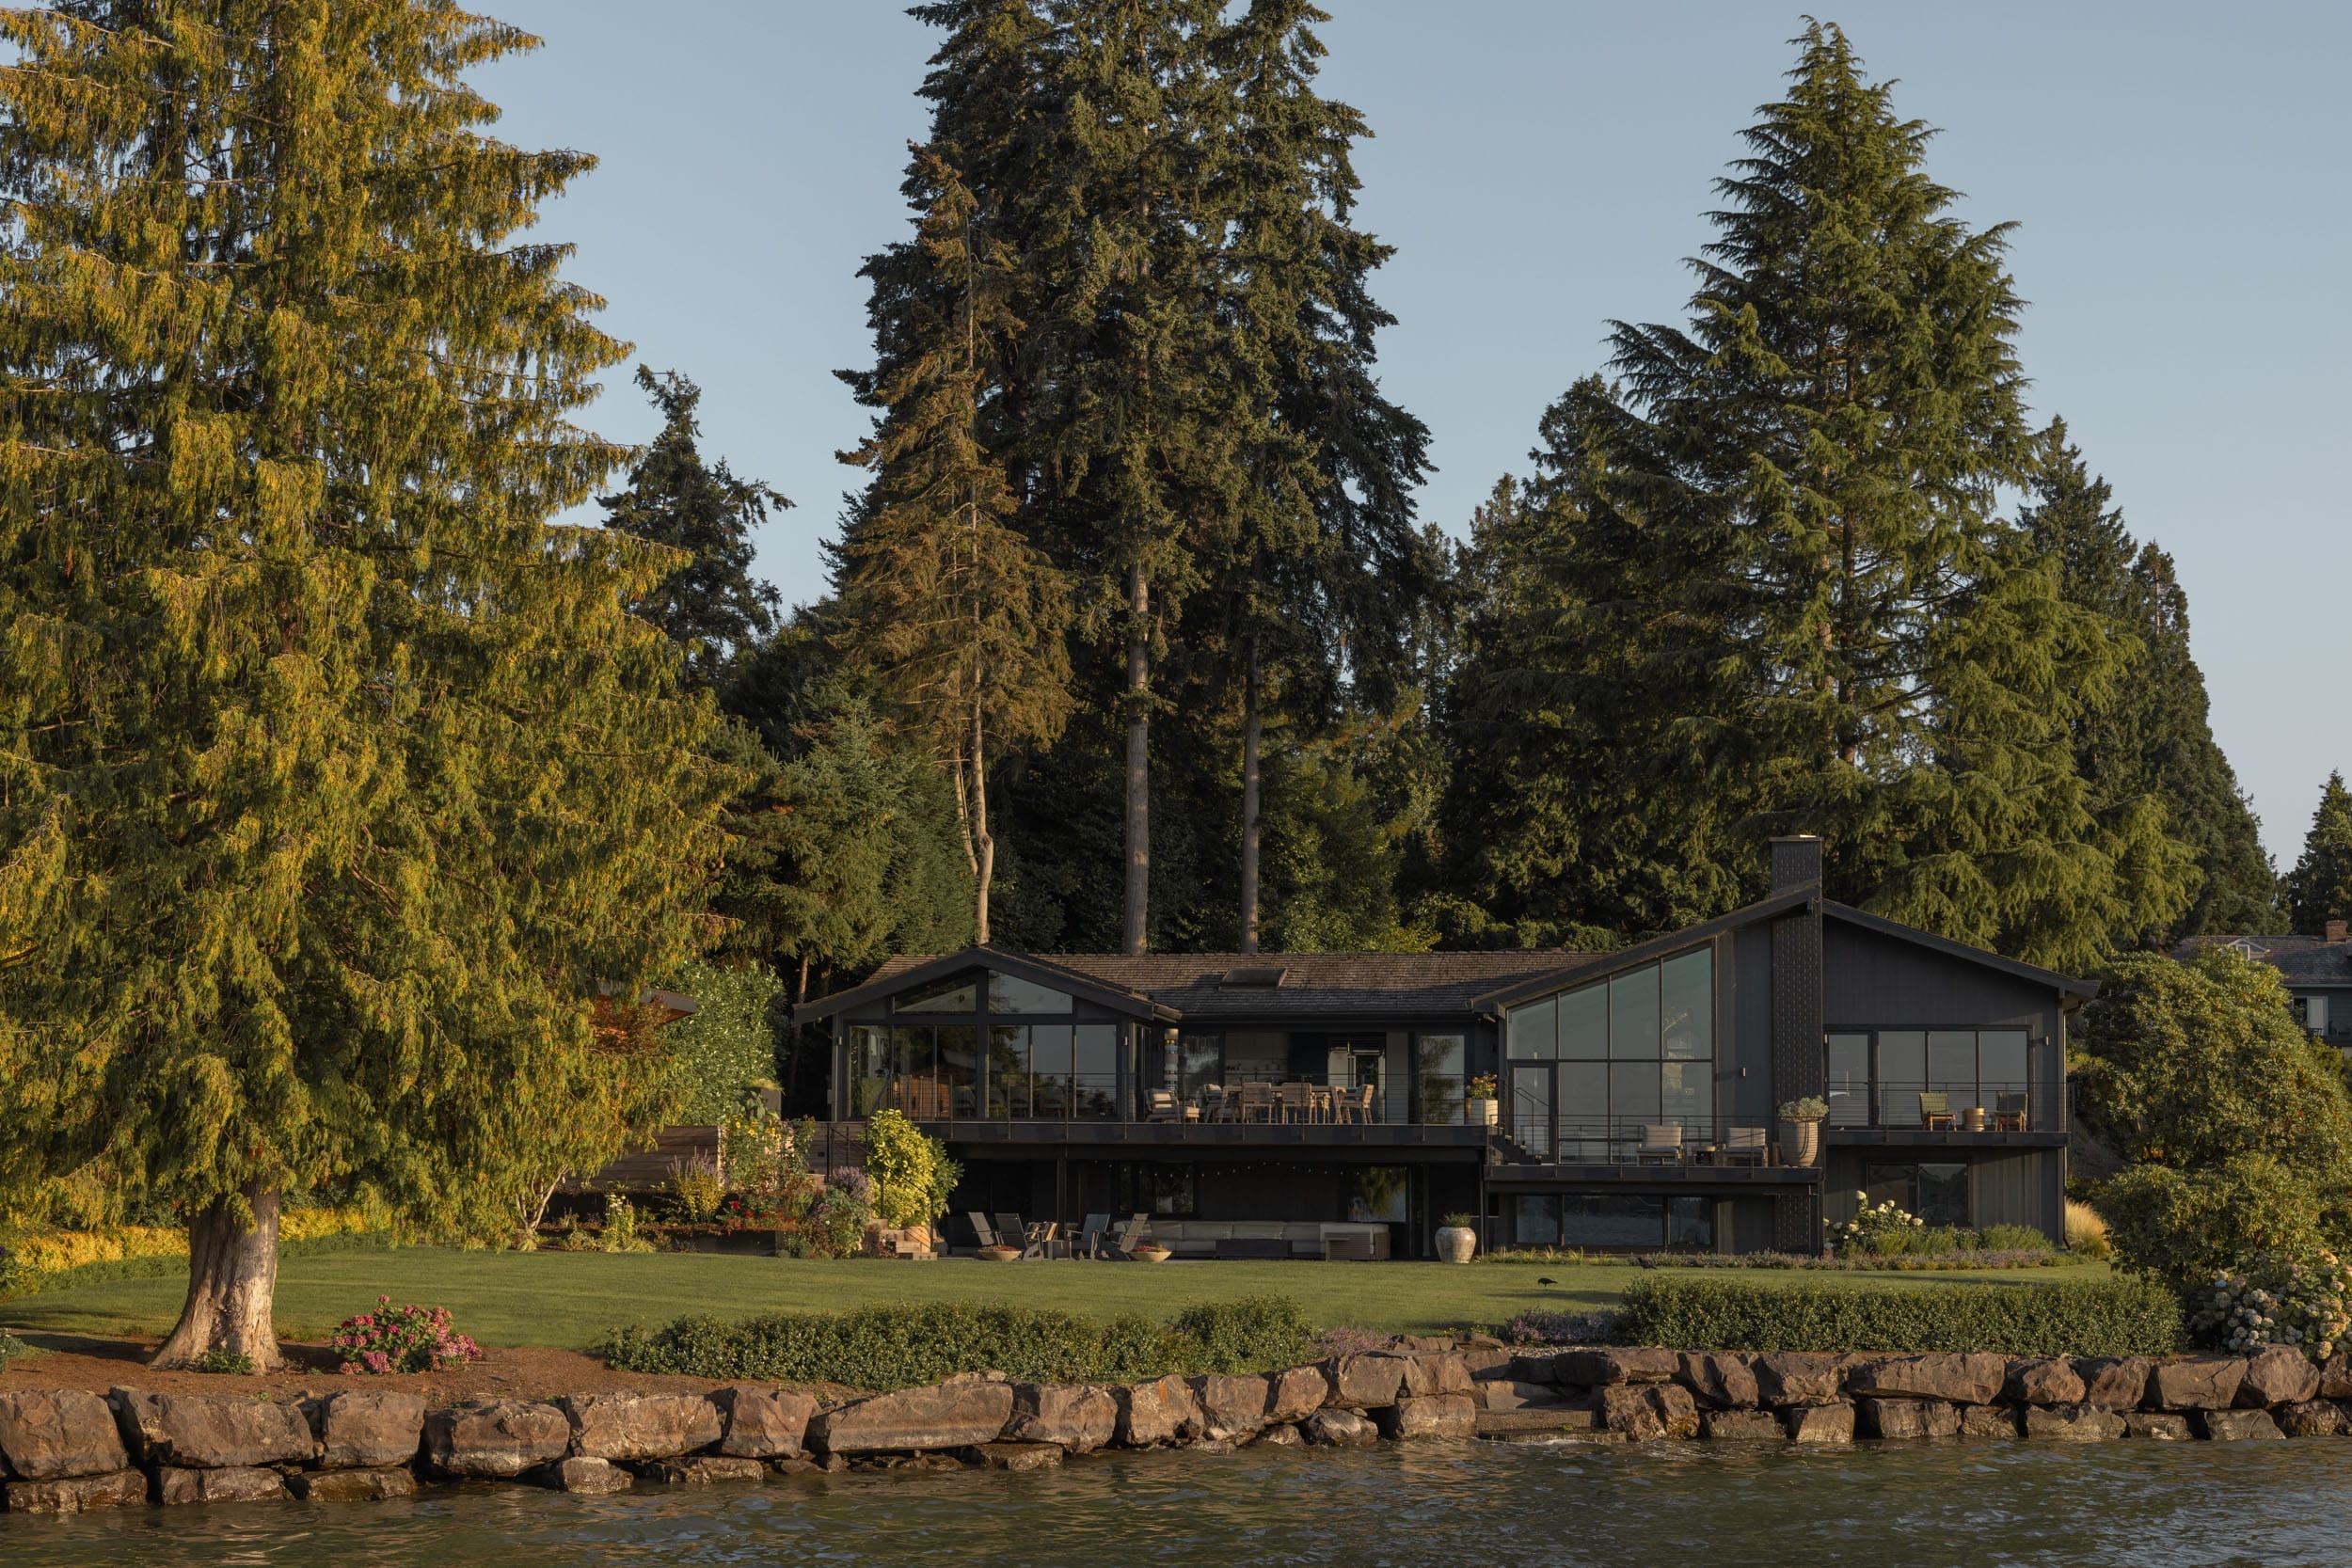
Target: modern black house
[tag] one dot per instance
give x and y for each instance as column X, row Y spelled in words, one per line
column 1311, row 1102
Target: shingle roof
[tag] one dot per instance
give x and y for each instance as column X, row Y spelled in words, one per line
column 1379, row 984
column 2302, row 961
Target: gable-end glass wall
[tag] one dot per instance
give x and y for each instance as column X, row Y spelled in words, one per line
column 1618, row 1069
column 1042, row 1061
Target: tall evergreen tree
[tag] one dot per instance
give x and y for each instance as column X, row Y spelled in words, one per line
column 336, row 781
column 2143, row 744
column 711, row 605
column 1847, row 385
column 2319, row 889
column 965, row 616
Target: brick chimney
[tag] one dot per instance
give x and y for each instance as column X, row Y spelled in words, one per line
column 2335, row 931
column 1796, row 861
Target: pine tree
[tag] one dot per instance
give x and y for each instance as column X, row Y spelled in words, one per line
column 712, row 606
column 335, row 783
column 2144, row 744
column 1848, row 383
column 964, row 615
column 2319, row 889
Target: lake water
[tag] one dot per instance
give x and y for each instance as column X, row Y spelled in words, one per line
column 2151, row 1505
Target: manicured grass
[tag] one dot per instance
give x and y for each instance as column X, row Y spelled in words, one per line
column 569, row 1299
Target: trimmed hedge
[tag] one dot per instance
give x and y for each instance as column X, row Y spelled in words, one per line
column 882, row 1347
column 2117, row 1317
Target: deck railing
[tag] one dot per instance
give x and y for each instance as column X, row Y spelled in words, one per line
column 1977, row 1107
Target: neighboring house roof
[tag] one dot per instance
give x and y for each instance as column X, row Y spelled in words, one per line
column 2307, row 961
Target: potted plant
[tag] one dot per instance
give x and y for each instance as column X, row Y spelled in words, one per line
column 997, row 1252
column 1458, row 1238
column 1150, row 1252
column 1801, row 1130
column 1478, row 1106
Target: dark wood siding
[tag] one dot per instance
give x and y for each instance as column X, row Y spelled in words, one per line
column 1876, row 982
column 1744, row 963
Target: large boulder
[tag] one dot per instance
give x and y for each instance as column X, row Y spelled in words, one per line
column 495, row 1439
column 1648, row 1411
column 1718, row 1381
column 1014, row 1456
column 2046, row 1380
column 2312, row 1418
column 2114, row 1382
column 623, row 1427
column 1535, row 1421
column 351, row 1487
column 2335, row 1378
column 1232, row 1406
column 1339, row 1428
column 2158, row 1426
column 1298, row 1392
column 1631, row 1364
column 1080, row 1417
column 591, row 1478
column 1798, row 1377
column 1741, row 1426
column 2239, row 1426
column 1417, row 1416
column 1436, row 1372
column 58, row 1437
column 1367, row 1378
column 236, row 1483
column 1822, row 1423
column 1971, row 1379
column 210, row 1431
column 2197, row 1383
column 78, row 1494
column 953, row 1415
column 2278, row 1375
column 363, row 1429
column 1988, row 1420
column 2072, row 1423
column 763, row 1423
column 1163, row 1411
column 1906, row 1419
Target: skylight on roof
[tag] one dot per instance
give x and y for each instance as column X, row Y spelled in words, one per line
column 1248, row 977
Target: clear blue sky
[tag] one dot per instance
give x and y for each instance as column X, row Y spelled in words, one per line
column 2178, row 173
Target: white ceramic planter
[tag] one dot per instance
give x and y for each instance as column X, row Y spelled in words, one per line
column 1456, row 1244
column 1481, row 1112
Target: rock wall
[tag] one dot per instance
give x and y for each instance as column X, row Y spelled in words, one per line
column 68, row 1451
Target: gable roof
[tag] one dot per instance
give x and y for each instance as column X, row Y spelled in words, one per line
column 2066, row 984
column 906, row 974
column 1594, row 966
column 2300, row 961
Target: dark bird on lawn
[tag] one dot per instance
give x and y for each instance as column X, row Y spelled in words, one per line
column 1541, row 1280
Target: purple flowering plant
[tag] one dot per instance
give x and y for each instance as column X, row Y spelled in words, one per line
column 402, row 1340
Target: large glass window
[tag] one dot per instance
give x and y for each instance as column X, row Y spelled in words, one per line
column 1198, row 1063
column 1936, row 1192
column 1441, row 1059
column 1046, row 1072
column 1094, row 1070
column 1637, row 1049
column 1376, row 1195
column 952, row 996
column 1959, row 1070
column 1612, row 1221
column 870, row 1069
column 1165, row 1189
column 1850, row 1079
column 1017, row 997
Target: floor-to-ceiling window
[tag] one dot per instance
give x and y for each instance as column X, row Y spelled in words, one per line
column 1441, row 1061
column 1591, row 1068
column 1042, row 1060
column 1880, row 1079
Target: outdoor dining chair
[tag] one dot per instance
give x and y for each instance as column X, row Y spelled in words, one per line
column 1257, row 1102
column 1294, row 1101
column 2009, row 1112
column 1159, row 1105
column 1935, row 1111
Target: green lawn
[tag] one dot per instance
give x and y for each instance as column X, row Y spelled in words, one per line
column 569, row 1298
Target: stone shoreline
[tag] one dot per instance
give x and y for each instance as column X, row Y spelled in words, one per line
column 69, row 1450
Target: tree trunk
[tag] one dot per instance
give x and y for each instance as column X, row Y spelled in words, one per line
column 984, row 859
column 1138, row 760
column 1251, row 722
column 233, row 1280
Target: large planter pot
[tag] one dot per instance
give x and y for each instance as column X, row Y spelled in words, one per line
column 1480, row 1113
column 1150, row 1252
column 999, row 1254
column 1457, row 1243
column 1800, row 1143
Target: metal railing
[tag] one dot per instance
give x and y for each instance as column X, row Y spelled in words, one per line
column 1977, row 1107
column 1572, row 1138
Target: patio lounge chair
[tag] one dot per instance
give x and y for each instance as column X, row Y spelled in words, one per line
column 1012, row 1232
column 1935, row 1111
column 984, row 1234
column 1660, row 1144
column 1749, row 1144
column 2009, row 1112
column 1088, row 1241
column 1128, row 1234
column 1159, row 1105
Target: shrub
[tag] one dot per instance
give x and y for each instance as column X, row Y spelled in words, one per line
column 902, row 1346
column 12, row 1347
column 1881, row 1229
column 2276, row 1300
column 727, row 1043
column 2188, row 1227
column 233, row 1362
column 911, row 1172
column 696, row 1188
column 2086, row 1232
column 2115, row 1317
column 620, row 1227
column 399, row 1339
column 2013, row 1238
